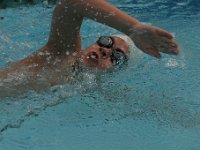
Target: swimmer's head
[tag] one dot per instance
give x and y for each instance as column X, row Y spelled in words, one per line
column 107, row 53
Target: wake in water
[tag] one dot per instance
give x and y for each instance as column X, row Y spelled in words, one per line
column 16, row 110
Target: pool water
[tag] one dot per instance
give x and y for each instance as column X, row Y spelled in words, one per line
column 152, row 104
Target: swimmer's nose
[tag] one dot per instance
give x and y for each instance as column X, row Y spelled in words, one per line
column 105, row 52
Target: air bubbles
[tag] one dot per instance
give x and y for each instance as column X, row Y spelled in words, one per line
column 33, row 65
column 173, row 63
column 67, row 53
column 74, row 54
column 41, row 53
column 49, row 59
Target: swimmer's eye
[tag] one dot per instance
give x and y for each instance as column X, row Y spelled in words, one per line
column 118, row 57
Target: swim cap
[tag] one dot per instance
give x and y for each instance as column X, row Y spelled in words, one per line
column 131, row 45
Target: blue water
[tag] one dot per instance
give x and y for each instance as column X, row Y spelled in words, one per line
column 152, row 105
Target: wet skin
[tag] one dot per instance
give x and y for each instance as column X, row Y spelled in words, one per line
column 154, row 40
column 100, row 57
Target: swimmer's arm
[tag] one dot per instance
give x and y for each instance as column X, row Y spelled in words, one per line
column 149, row 39
column 68, row 17
column 102, row 12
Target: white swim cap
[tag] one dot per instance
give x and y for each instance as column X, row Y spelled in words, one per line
column 132, row 48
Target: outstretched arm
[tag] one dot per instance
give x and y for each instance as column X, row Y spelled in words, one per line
column 69, row 14
column 65, row 31
column 65, row 36
column 68, row 17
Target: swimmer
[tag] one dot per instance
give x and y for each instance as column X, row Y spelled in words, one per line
column 56, row 62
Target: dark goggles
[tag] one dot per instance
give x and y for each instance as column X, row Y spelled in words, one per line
column 118, row 57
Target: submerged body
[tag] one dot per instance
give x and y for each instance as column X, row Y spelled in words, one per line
column 58, row 61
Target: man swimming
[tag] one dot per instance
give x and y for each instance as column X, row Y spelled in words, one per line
column 62, row 55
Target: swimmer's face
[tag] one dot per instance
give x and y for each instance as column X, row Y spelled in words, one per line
column 103, row 56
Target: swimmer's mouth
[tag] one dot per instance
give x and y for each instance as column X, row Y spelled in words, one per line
column 93, row 56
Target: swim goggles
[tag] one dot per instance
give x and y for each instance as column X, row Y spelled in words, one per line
column 118, row 57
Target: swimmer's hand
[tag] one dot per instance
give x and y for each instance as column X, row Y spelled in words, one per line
column 153, row 40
